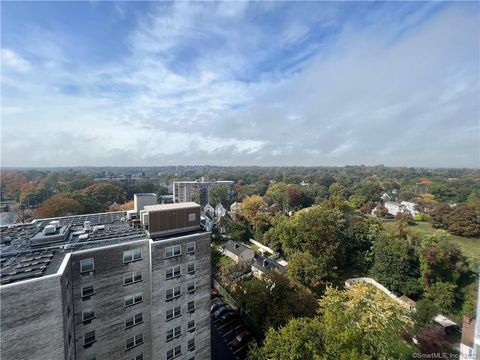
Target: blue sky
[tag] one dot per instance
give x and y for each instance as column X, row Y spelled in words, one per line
column 238, row 83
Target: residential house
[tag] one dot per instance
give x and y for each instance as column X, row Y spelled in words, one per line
column 261, row 265
column 237, row 251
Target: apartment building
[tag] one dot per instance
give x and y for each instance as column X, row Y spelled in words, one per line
column 187, row 191
column 98, row 286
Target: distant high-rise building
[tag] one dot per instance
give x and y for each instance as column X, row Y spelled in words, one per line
column 100, row 286
column 186, row 191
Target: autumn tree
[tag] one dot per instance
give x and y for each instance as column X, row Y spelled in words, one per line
column 59, row 205
column 310, row 271
column 442, row 296
column 255, row 211
column 219, row 195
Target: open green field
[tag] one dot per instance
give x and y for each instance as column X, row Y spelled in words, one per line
column 469, row 246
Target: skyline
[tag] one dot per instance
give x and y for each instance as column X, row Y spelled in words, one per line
column 260, row 84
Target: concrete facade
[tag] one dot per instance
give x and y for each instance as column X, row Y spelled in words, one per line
column 185, row 191
column 43, row 318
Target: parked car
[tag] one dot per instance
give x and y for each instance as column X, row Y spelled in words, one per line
column 241, row 339
column 216, row 303
column 220, row 311
column 228, row 315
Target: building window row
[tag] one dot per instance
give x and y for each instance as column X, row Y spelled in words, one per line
column 87, row 290
column 191, row 307
column 191, row 326
column 174, row 333
column 134, row 320
column 86, row 265
column 132, row 255
column 133, row 299
column 172, row 272
column 132, row 277
column 134, row 341
column 88, row 315
column 175, row 352
column 89, row 338
column 173, row 313
column 191, row 345
column 176, row 250
column 173, row 293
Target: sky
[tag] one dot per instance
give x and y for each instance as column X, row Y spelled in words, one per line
column 240, row 83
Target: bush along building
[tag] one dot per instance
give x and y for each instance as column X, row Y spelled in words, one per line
column 107, row 286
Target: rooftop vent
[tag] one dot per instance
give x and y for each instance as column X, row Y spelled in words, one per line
column 265, row 263
column 237, row 245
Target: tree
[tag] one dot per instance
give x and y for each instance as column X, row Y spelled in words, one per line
column 396, row 264
column 442, row 295
column 432, row 340
column 106, row 194
column 59, row 205
column 238, row 231
column 274, row 300
column 232, row 273
column 364, row 321
column 381, row 211
column 441, row 260
column 309, row 271
column 254, row 210
column 219, row 195
column 361, row 323
column 298, row 339
column 426, row 310
column 463, row 220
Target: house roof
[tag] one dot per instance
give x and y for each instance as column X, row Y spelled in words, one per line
column 235, row 247
column 265, row 264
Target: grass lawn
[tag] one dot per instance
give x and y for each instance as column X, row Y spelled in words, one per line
column 469, row 246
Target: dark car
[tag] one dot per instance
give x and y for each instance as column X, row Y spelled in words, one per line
column 242, row 338
column 216, row 303
column 220, row 311
column 228, row 315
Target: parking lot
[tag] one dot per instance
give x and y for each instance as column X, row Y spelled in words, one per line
column 223, row 335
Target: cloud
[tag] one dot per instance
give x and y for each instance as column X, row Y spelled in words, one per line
column 14, row 61
column 251, row 84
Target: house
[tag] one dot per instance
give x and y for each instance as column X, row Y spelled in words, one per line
column 220, row 211
column 209, row 211
column 410, row 207
column 237, row 251
column 261, row 265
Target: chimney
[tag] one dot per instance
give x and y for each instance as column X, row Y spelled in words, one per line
column 237, row 245
column 265, row 263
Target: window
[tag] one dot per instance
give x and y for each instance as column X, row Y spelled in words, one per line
column 191, row 345
column 192, row 358
column 138, row 357
column 132, row 277
column 191, row 326
column 132, row 255
column 87, row 290
column 172, row 272
column 191, row 287
column 89, row 338
column 133, row 299
column 68, row 310
column 191, row 268
column 173, row 353
column 88, row 314
column 190, row 247
column 173, row 333
column 134, row 341
column 191, row 306
column 134, row 320
column 174, row 250
column 173, row 313
column 173, row 293
column 192, row 217
column 86, row 265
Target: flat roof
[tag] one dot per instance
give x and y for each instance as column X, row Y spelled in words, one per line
column 175, row 206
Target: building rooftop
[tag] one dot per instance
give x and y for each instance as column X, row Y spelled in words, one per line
column 37, row 248
column 176, row 206
column 265, row 264
column 235, row 247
